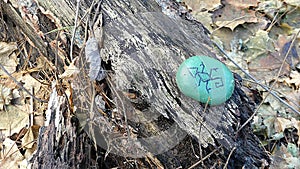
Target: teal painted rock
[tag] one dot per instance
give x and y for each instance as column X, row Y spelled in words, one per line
column 203, row 78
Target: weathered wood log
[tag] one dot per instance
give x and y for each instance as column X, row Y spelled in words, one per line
column 143, row 48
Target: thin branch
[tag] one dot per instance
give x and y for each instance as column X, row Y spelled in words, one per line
column 200, row 161
column 97, row 13
column 275, row 20
column 74, row 29
column 253, row 78
column 230, row 154
column 272, row 86
column 122, row 105
column 20, row 85
column 279, row 93
column 31, row 112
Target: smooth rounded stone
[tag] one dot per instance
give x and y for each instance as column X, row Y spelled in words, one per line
column 203, row 78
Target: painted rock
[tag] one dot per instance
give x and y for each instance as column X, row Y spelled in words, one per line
column 203, row 78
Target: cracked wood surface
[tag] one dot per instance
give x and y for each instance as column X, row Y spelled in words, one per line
column 145, row 48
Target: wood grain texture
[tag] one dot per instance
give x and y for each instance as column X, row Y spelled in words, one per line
column 145, row 48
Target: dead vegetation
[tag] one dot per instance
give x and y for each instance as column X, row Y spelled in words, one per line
column 55, row 114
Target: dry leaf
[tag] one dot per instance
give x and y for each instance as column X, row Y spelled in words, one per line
column 29, row 83
column 281, row 124
column 294, row 79
column 242, row 3
column 282, row 158
column 266, row 67
column 30, row 136
column 263, row 59
column 292, row 19
column 70, row 71
column 13, row 119
column 6, row 96
column 283, row 45
column 231, row 17
column 8, row 57
column 293, row 2
column 259, row 45
column 201, row 10
column 268, row 116
column 203, row 5
column 274, row 103
column 11, row 155
column 271, row 7
column 28, row 141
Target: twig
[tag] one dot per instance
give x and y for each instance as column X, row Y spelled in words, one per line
column 211, row 153
column 18, row 148
column 275, row 20
column 280, row 93
column 193, row 149
column 74, row 29
column 20, row 85
column 271, row 88
column 123, row 107
column 230, row 154
column 253, row 78
column 96, row 14
column 59, row 29
column 88, row 12
column 31, row 109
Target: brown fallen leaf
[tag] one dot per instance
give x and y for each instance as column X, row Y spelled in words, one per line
column 281, row 124
column 29, row 141
column 294, row 79
column 242, row 3
column 203, row 5
column 13, row 119
column 10, row 156
column 70, row 71
column 8, row 57
column 282, row 158
column 283, row 45
column 231, row 17
column 201, row 10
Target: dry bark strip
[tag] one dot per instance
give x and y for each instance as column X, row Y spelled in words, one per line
column 145, row 48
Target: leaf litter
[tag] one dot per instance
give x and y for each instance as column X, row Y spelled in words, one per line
column 255, row 32
column 258, row 35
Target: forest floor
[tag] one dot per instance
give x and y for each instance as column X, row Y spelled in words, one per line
column 260, row 36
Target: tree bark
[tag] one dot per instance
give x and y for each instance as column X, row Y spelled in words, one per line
column 142, row 49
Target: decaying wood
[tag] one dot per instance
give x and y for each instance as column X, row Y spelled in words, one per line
column 47, row 53
column 144, row 48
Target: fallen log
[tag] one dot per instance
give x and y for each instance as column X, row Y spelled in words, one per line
column 142, row 48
